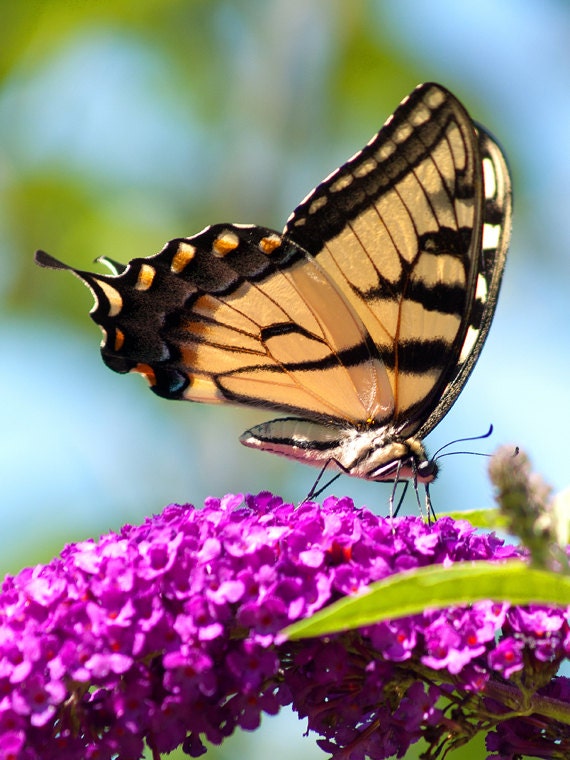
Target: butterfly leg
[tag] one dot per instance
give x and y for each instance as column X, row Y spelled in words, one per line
column 429, row 505
column 430, row 512
column 401, row 499
column 314, row 493
column 393, row 494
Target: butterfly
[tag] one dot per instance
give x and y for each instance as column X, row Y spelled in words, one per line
column 360, row 322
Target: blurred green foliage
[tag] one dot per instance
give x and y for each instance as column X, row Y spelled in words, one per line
column 246, row 90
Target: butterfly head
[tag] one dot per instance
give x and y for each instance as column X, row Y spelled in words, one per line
column 400, row 460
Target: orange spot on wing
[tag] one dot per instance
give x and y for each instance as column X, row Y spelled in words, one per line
column 119, row 339
column 182, row 257
column 147, row 372
column 269, row 244
column 145, row 278
column 225, row 244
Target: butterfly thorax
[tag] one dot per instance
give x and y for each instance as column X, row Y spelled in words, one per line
column 380, row 454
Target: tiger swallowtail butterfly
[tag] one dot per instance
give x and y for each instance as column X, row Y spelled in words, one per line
column 360, row 322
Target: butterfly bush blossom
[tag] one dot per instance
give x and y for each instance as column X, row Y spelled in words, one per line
column 168, row 634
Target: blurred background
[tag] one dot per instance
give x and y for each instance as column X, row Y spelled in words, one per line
column 124, row 124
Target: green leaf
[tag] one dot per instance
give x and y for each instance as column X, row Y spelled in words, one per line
column 490, row 519
column 435, row 587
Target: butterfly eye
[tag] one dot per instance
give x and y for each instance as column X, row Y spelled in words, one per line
column 427, row 471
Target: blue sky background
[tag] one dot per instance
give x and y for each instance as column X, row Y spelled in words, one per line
column 123, row 125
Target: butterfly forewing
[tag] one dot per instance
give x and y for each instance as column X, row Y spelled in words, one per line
column 364, row 319
column 404, row 247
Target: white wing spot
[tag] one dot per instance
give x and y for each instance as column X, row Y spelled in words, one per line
column 468, row 343
column 489, row 178
column 385, row 151
column 317, row 204
column 342, row 183
column 481, row 291
column 365, row 167
column 113, row 296
column 491, row 236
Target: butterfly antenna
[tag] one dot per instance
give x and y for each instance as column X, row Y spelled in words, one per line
column 471, row 453
column 402, row 496
column 515, row 453
column 438, row 454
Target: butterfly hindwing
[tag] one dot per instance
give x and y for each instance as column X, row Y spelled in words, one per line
column 236, row 315
column 490, row 261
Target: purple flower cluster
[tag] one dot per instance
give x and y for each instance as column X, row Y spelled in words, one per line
column 168, row 633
